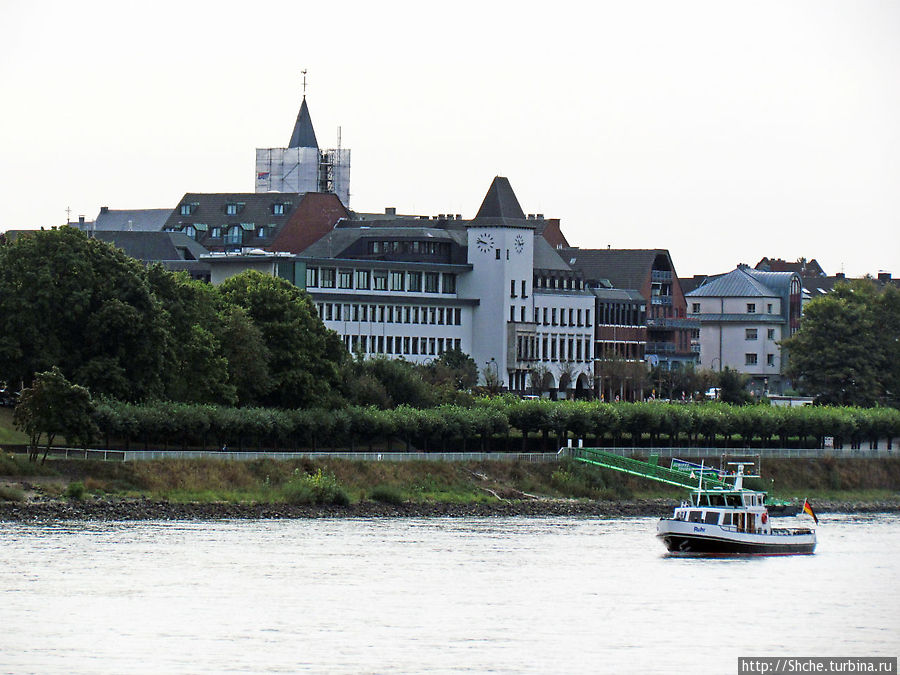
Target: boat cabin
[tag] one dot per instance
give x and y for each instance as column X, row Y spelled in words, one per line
column 732, row 510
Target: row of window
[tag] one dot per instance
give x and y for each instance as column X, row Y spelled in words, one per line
column 438, row 248
column 400, row 345
column 235, row 234
column 233, row 208
column 751, row 308
column 439, row 316
column 752, row 333
column 549, row 316
column 753, row 359
column 567, row 284
column 622, row 314
column 552, row 348
column 380, row 280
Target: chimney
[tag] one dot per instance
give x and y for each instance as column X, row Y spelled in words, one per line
column 839, row 275
column 81, row 220
column 884, row 277
column 390, row 210
column 104, row 209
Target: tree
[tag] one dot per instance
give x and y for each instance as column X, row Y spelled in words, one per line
column 54, row 406
column 846, row 349
column 733, row 386
column 81, row 305
column 454, row 368
column 304, row 356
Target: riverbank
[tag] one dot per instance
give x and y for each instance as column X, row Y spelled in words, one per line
column 68, row 489
column 104, row 509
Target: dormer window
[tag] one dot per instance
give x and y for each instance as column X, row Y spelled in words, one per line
column 233, row 208
column 186, row 209
column 278, row 209
column 190, row 231
column 215, row 232
column 261, row 233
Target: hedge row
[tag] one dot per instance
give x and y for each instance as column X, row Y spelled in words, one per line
column 490, row 424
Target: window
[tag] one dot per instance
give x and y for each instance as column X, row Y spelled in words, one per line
column 362, row 279
column 449, row 281
column 261, row 232
column 524, row 289
column 415, row 282
column 278, row 209
column 751, row 308
column 695, row 307
column 231, row 209
column 770, row 359
column 379, row 280
column 545, row 317
column 770, row 333
column 397, row 281
column 345, row 279
column 498, row 254
column 750, row 333
column 186, row 210
column 522, row 319
column 769, row 308
column 327, row 277
column 553, row 316
column 431, row 282
column 711, row 518
column 235, row 235
column 190, row 231
column 749, row 359
column 457, row 319
column 215, row 232
column 587, row 317
column 512, row 289
column 512, row 313
column 312, row 277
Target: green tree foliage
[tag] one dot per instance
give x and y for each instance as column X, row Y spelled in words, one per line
column 304, row 356
column 733, row 386
column 81, row 305
column 52, row 406
column 847, row 349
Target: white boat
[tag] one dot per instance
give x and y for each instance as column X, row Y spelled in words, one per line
column 728, row 521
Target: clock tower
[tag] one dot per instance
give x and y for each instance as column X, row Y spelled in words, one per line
column 501, row 252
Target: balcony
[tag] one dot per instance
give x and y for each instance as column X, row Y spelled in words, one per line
column 660, row 275
column 665, row 300
column 660, row 348
column 672, row 323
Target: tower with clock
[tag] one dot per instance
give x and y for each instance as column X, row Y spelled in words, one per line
column 501, row 252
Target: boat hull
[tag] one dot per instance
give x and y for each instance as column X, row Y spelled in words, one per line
column 688, row 538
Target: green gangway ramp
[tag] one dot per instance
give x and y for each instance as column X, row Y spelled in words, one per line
column 650, row 470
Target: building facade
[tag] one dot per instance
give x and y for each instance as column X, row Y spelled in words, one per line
column 491, row 287
column 743, row 317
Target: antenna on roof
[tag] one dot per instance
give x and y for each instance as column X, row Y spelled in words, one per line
column 304, row 82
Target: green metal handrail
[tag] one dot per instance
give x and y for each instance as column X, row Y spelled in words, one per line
column 650, row 470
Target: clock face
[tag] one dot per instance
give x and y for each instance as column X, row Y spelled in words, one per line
column 520, row 243
column 484, row 242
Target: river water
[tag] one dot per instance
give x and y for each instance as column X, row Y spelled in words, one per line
column 501, row 595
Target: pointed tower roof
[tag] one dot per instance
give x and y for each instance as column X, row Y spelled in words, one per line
column 500, row 202
column 304, row 136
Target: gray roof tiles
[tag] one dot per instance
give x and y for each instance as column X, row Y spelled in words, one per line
column 624, row 268
column 135, row 220
column 303, row 136
column 743, row 282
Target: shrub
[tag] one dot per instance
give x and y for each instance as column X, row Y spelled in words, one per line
column 11, row 494
column 75, row 490
column 317, row 488
column 387, row 494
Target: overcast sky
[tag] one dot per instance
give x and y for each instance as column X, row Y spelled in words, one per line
column 721, row 131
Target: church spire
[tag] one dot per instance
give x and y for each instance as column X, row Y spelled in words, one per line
column 304, row 136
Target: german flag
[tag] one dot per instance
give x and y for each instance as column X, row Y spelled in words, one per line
column 808, row 510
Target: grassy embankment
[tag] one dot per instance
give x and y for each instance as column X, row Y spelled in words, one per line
column 340, row 481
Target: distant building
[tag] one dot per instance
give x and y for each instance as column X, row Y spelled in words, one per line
column 414, row 288
column 237, row 222
column 128, row 220
column 302, row 166
column 805, row 268
column 743, row 315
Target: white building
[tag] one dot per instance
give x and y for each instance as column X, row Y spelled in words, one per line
column 302, row 167
column 414, row 288
column 743, row 317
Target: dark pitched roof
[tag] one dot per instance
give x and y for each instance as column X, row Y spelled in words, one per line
column 153, row 246
column 304, row 136
column 803, row 267
column 500, row 202
column 624, row 268
column 738, row 283
column 136, row 220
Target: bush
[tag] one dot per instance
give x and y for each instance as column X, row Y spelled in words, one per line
column 387, row 494
column 317, row 488
column 11, row 494
column 75, row 490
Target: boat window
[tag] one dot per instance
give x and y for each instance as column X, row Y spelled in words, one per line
column 695, row 516
column 726, row 519
column 735, row 500
column 712, row 518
